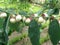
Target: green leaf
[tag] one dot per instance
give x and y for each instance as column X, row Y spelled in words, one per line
column 54, row 31
column 14, row 26
column 1, row 23
column 34, row 32
column 18, row 26
column 5, row 31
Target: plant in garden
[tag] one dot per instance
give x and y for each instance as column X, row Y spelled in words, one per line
column 16, row 22
column 11, row 23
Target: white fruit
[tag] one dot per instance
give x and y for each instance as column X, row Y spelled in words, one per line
column 59, row 21
column 2, row 15
column 46, row 15
column 12, row 20
column 59, row 41
column 28, row 20
column 40, row 19
column 24, row 18
column 18, row 17
column 35, row 15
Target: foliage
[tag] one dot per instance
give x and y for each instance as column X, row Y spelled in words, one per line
column 34, row 33
column 22, row 7
column 54, row 31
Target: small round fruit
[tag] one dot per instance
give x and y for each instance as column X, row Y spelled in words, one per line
column 35, row 15
column 59, row 42
column 18, row 17
column 40, row 19
column 59, row 21
column 46, row 15
column 2, row 15
column 28, row 20
column 12, row 20
column 13, row 15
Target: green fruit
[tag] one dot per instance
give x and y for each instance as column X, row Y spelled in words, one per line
column 54, row 31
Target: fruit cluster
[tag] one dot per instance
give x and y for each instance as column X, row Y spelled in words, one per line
column 17, row 17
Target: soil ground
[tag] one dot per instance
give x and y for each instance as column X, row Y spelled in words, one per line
column 26, row 40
